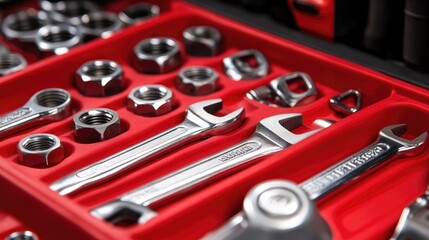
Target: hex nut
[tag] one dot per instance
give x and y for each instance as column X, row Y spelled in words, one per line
column 157, row 55
column 23, row 25
column 100, row 24
column 96, row 125
column 25, row 235
column 40, row 150
column 150, row 100
column 99, row 78
column 202, row 41
column 67, row 11
column 58, row 38
column 139, row 12
column 10, row 63
column 197, row 81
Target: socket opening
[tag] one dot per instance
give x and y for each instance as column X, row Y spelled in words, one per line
column 26, row 23
column 99, row 22
column 9, row 61
column 150, row 93
column 204, row 32
column 198, row 74
column 100, row 69
column 39, row 143
column 62, row 35
column 52, row 98
column 158, row 47
column 96, row 117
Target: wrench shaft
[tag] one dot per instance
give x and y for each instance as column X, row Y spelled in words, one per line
column 17, row 118
column 349, row 168
column 201, row 172
column 109, row 167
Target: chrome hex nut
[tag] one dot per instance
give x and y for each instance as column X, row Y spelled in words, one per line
column 138, row 13
column 157, row 55
column 202, row 41
column 150, row 100
column 99, row 78
column 96, row 125
column 40, row 150
column 197, row 81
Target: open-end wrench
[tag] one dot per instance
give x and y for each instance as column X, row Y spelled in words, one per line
column 272, row 135
column 282, row 210
column 388, row 144
column 48, row 105
column 199, row 123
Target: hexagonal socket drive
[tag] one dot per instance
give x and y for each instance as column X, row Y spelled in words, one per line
column 157, row 55
column 99, row 78
column 197, row 81
column 202, row 41
column 150, row 100
column 40, row 150
column 96, row 125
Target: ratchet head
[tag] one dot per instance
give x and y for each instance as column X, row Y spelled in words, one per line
column 201, row 113
column 393, row 133
column 277, row 128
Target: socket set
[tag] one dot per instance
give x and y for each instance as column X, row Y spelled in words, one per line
column 189, row 125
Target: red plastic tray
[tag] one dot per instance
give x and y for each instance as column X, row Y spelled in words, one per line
column 368, row 208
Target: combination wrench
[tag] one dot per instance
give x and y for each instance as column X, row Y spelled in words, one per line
column 272, row 135
column 283, row 210
column 48, row 105
column 199, row 123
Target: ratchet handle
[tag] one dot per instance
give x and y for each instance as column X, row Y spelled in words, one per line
column 116, row 164
column 201, row 172
column 349, row 168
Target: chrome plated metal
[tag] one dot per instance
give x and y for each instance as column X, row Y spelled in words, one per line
column 58, row 38
column 275, row 209
column 139, row 12
column 100, row 24
column 150, row 100
column 388, row 144
column 48, row 105
column 238, row 68
column 199, row 123
column 96, row 125
column 272, row 135
column 24, row 24
column 40, row 150
column 10, row 63
column 25, row 235
column 202, row 41
column 197, row 81
column 338, row 106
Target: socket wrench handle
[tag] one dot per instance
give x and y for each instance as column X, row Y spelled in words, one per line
column 197, row 124
column 387, row 145
column 48, row 105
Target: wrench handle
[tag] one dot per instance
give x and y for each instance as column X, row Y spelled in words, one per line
column 349, row 168
column 16, row 118
column 201, row 172
column 116, row 164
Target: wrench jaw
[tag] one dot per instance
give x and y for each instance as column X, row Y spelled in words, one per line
column 277, row 128
column 201, row 113
column 117, row 212
column 393, row 133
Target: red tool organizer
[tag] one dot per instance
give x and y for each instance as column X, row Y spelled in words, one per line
column 367, row 208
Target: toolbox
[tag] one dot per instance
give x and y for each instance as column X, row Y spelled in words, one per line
column 367, row 208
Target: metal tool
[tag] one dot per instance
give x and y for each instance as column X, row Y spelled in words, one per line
column 202, row 41
column 272, row 135
column 388, row 144
column 40, row 150
column 282, row 210
column 338, row 106
column 275, row 209
column 48, row 105
column 414, row 221
column 197, row 80
column 199, row 123
column 138, row 13
column 100, row 24
column 25, row 235
column 23, row 25
column 10, row 63
column 238, row 68
column 96, row 125
column 150, row 100
column 57, row 38
column 278, row 92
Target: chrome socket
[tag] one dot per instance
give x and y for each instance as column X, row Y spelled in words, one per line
column 10, row 63
column 238, row 68
column 57, row 39
column 40, row 150
column 202, row 41
column 67, row 11
column 96, row 125
column 99, row 78
column 138, row 13
column 21, row 27
column 157, row 55
column 197, row 81
column 99, row 24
